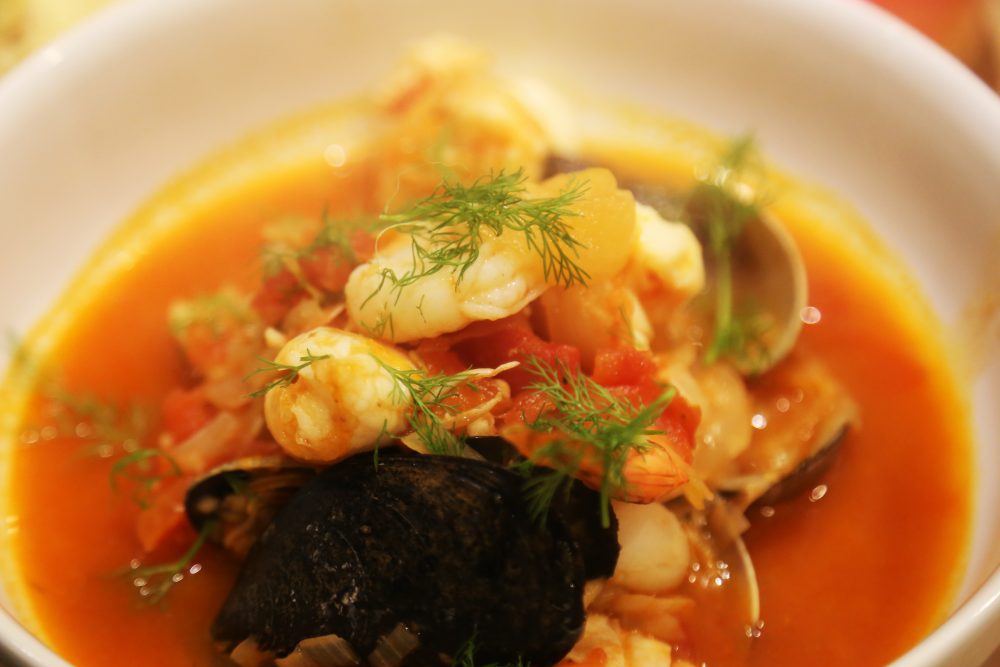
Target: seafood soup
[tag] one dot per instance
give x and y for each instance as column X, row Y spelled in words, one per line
column 457, row 374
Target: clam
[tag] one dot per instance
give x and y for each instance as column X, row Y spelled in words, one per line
column 801, row 415
column 767, row 274
column 421, row 552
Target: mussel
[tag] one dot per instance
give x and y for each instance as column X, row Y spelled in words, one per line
column 435, row 550
column 577, row 505
column 239, row 499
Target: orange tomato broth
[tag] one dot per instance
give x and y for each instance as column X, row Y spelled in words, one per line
column 855, row 578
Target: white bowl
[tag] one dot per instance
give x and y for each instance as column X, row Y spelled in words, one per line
column 836, row 92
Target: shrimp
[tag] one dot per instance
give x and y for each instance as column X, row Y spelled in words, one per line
column 342, row 399
column 501, row 282
column 506, row 275
column 446, row 109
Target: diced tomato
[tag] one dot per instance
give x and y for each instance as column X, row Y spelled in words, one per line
column 277, row 296
column 204, row 347
column 527, row 407
column 623, row 365
column 185, row 412
column 438, row 357
column 363, row 244
column 627, row 372
column 679, row 422
column 326, row 268
column 490, row 344
column 630, row 374
column 165, row 523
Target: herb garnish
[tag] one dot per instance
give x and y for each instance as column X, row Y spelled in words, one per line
column 289, row 373
column 597, row 427
column 466, row 657
column 138, row 467
column 447, row 229
column 432, row 398
column 155, row 581
column 334, row 233
column 108, row 427
column 727, row 210
column 218, row 312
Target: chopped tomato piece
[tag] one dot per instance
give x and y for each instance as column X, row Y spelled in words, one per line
column 494, row 343
column 185, row 412
column 165, row 523
column 438, row 357
column 327, row 268
column 363, row 244
column 679, row 422
column 277, row 296
column 629, row 374
column 623, row 365
column 527, row 407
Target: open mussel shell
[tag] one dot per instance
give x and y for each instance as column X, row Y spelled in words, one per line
column 443, row 546
column 239, row 499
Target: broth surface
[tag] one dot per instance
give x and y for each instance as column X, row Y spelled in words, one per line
column 854, row 577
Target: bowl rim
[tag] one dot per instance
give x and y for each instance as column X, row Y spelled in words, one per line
column 866, row 25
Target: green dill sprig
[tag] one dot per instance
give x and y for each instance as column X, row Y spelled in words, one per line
column 431, row 397
column 155, row 581
column 595, row 426
column 447, row 229
column 465, row 656
column 138, row 468
column 289, row 373
column 333, row 233
column 217, row 311
column 542, row 485
column 107, row 427
column 727, row 211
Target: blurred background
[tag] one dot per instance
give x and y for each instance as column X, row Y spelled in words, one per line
column 969, row 29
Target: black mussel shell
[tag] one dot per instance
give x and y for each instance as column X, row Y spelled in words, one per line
column 443, row 545
column 495, row 449
column 241, row 498
column 579, row 507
